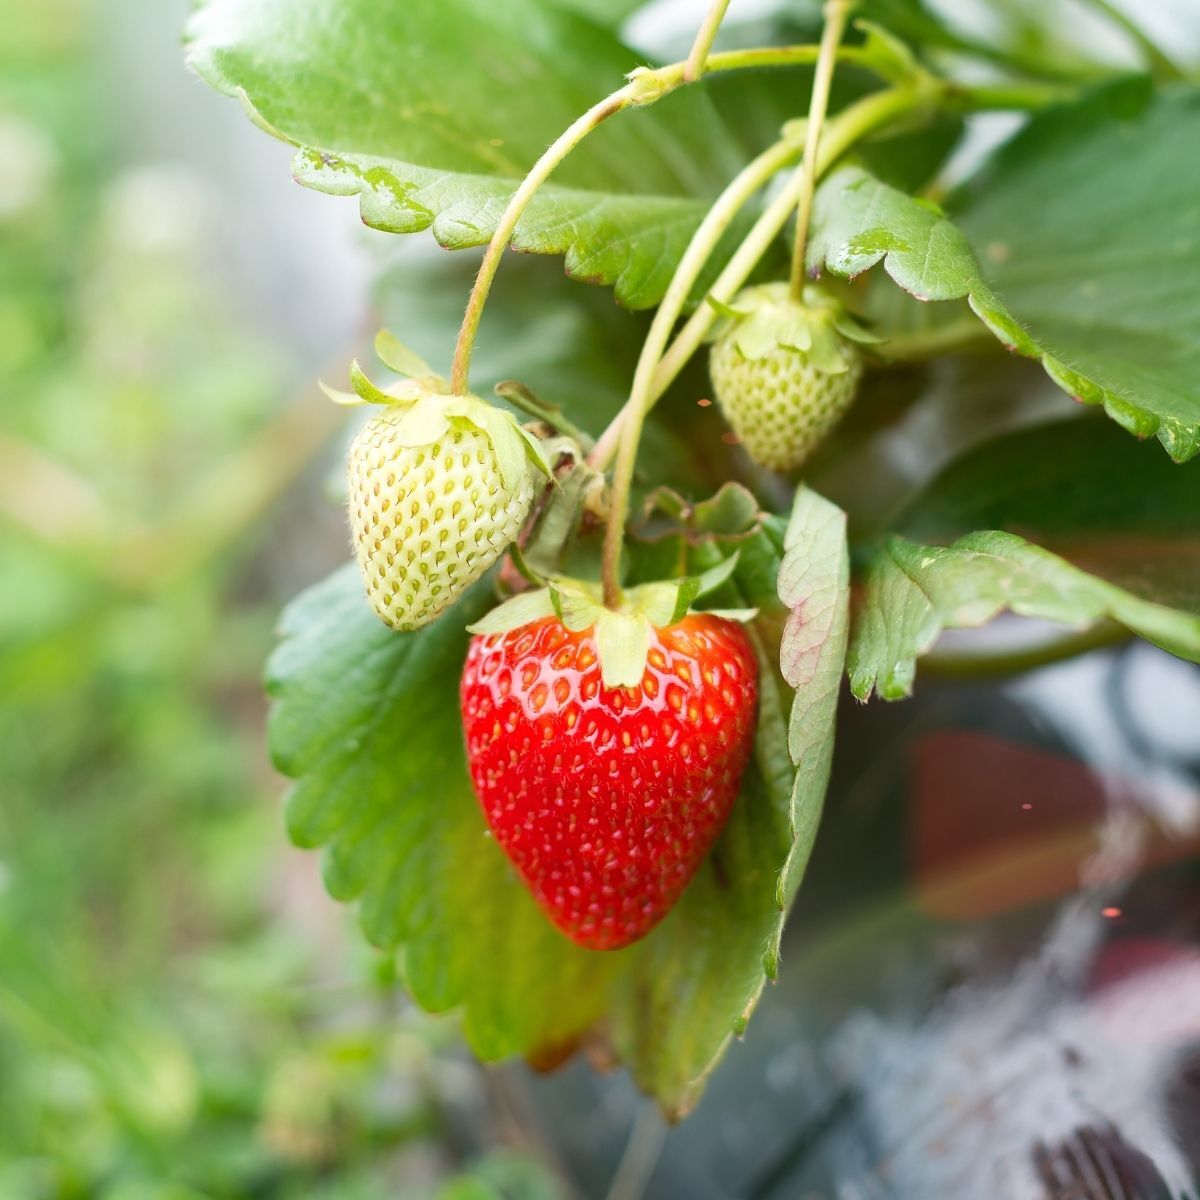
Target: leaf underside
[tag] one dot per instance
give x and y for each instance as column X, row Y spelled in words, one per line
column 1085, row 491
column 1096, row 526
column 911, row 593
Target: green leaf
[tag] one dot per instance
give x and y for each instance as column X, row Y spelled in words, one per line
column 814, row 584
column 1086, row 492
column 1087, row 225
column 431, row 110
column 367, row 723
column 913, row 592
column 1089, row 234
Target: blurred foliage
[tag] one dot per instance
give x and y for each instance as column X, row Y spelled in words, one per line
column 174, row 1021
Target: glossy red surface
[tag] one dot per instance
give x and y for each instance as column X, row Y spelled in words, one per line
column 607, row 800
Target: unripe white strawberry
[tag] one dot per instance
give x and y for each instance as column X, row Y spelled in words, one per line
column 785, row 370
column 439, row 487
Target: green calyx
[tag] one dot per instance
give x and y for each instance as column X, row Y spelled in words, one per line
column 622, row 634
column 818, row 328
column 431, row 411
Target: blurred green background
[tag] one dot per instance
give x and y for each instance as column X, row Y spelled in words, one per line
column 182, row 1013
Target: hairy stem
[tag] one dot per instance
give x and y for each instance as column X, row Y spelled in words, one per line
column 843, row 131
column 868, row 114
column 705, row 36
column 643, row 89
column 559, row 149
column 704, row 241
column 836, row 14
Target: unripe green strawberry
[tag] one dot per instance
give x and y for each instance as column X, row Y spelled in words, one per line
column 439, row 487
column 784, row 371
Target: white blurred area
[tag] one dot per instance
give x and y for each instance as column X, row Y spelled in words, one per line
column 1174, row 24
column 294, row 259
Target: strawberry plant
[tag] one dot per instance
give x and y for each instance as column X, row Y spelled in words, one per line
column 564, row 732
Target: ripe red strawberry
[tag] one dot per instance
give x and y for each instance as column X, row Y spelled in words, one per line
column 607, row 799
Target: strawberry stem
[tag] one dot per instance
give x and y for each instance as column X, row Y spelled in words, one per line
column 644, row 88
column 836, row 14
column 705, row 36
column 843, row 131
column 540, row 172
column 870, row 113
column 704, row 241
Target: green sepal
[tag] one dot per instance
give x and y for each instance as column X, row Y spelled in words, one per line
column 522, row 609
column 396, row 356
column 430, row 412
column 521, row 396
column 622, row 645
column 849, row 328
column 659, row 603
column 371, row 394
column 424, row 422
column 730, row 311
column 577, row 605
column 622, row 636
column 743, row 616
column 694, row 586
column 515, row 446
column 767, row 317
column 345, row 399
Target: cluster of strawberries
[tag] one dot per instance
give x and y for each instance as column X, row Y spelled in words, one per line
column 605, row 793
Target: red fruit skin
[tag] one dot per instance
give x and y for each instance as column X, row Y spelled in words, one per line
column 607, row 799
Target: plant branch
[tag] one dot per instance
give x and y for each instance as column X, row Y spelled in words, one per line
column 967, row 333
column 1021, row 97
column 843, row 131
column 704, row 241
column 643, row 88
column 540, row 172
column 705, row 36
column 836, row 14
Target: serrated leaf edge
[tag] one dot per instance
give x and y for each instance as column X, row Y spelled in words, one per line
column 1180, row 439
